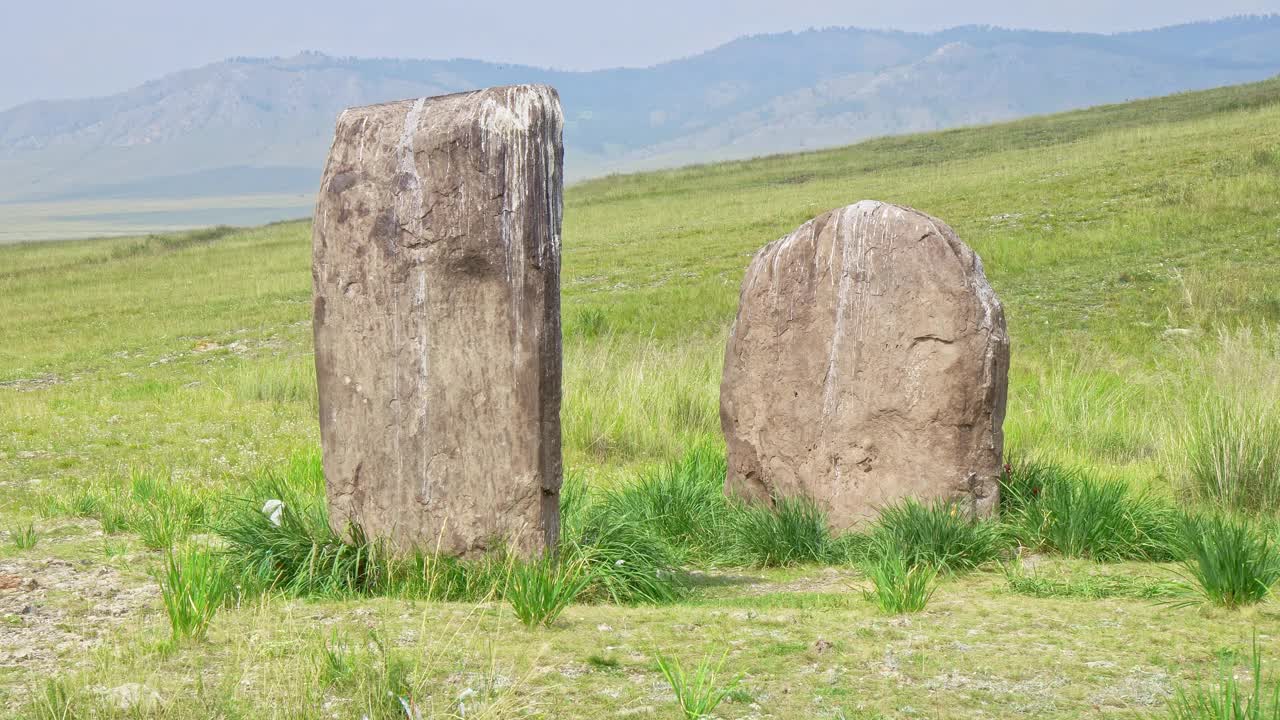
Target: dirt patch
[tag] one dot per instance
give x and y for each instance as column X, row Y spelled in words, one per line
column 52, row 612
column 32, row 384
column 829, row 580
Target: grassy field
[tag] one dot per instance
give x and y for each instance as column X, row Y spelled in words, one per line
column 1136, row 249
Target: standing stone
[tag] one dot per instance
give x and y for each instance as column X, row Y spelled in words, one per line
column 868, row 363
column 436, row 268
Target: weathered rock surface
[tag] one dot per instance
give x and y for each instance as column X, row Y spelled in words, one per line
column 436, row 268
column 868, row 363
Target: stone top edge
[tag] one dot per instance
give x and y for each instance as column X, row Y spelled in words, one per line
column 535, row 88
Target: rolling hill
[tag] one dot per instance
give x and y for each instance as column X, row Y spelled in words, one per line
column 253, row 126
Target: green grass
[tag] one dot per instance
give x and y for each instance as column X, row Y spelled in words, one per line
column 615, row 558
column 1230, row 562
column 789, row 531
column 898, row 585
column 193, row 585
column 379, row 675
column 301, row 555
column 627, row 563
column 24, row 537
column 540, row 589
column 698, row 691
column 939, row 535
column 1232, row 444
column 682, row 503
column 1228, row 698
column 1079, row 515
column 53, row 701
column 1092, row 586
column 185, row 361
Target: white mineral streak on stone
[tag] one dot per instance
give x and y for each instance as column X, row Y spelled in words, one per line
column 409, row 216
column 406, row 163
column 987, row 297
column 845, row 227
column 554, row 202
column 510, row 122
column 424, row 366
column 511, row 126
column 364, row 122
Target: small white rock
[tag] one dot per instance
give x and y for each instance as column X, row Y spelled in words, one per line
column 273, row 509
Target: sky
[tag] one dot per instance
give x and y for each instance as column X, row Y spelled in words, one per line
column 76, row 48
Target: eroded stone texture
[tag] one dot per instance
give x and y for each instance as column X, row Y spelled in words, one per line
column 868, row 363
column 436, row 268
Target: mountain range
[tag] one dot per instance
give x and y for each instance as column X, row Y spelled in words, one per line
column 263, row 125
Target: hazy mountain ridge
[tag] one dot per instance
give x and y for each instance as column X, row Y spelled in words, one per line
column 262, row 125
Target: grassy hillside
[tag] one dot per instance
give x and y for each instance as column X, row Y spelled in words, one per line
column 1136, row 249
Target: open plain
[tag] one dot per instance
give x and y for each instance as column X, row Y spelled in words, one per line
column 153, row 388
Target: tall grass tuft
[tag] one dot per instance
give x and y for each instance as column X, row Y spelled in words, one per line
column 161, row 525
column 1228, row 452
column 638, row 401
column 591, row 322
column 53, row 701
column 897, row 585
column 193, row 585
column 115, row 515
column 1229, row 699
column 790, row 532
column 627, row 562
column 24, row 537
column 1078, row 515
column 697, row 692
column 162, row 512
column 942, row 535
column 379, row 677
column 1230, row 563
column 540, row 589
column 1233, row 455
column 682, row 503
column 293, row 550
column 297, row 552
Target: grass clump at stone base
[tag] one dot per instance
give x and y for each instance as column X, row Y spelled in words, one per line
column 682, row 504
column 629, row 563
column 790, row 531
column 1052, row 508
column 295, row 552
column 941, row 535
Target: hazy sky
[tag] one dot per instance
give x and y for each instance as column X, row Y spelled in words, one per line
column 72, row 48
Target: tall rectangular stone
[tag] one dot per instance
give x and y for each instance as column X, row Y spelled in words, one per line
column 436, row 268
